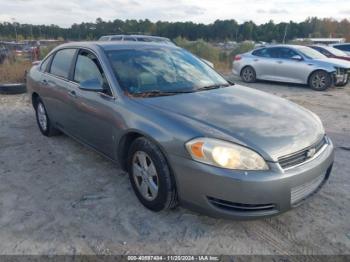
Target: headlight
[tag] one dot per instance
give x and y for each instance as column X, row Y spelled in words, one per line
column 224, row 154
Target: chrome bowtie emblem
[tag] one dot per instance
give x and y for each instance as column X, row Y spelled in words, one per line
column 311, row 152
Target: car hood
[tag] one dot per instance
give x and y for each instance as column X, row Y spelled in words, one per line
column 335, row 62
column 270, row 125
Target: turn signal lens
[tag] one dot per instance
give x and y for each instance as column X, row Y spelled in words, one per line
column 197, row 149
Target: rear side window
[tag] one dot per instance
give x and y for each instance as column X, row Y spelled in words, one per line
column 116, row 38
column 104, row 38
column 128, row 38
column 286, row 53
column 61, row 63
column 261, row 52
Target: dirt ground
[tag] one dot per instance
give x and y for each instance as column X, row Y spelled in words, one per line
column 58, row 197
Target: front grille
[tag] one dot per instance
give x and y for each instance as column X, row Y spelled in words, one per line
column 238, row 207
column 301, row 192
column 301, row 156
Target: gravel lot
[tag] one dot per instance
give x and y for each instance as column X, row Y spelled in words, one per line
column 58, row 197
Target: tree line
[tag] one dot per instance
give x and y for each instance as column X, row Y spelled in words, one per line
column 220, row 30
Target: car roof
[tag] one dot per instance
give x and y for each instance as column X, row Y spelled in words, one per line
column 138, row 36
column 115, row 45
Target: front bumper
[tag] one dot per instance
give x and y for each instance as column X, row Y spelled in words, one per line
column 248, row 194
column 341, row 77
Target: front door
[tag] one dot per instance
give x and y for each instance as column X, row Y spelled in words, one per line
column 94, row 110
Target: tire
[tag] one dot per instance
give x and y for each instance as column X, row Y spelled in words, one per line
column 150, row 176
column 320, row 80
column 12, row 89
column 41, row 117
column 248, row 74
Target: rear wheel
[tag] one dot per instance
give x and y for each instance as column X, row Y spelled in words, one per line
column 248, row 74
column 44, row 123
column 150, row 176
column 320, row 80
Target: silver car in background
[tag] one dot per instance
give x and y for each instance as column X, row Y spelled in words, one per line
column 291, row 64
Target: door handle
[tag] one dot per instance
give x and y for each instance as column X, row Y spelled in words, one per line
column 45, row 83
column 279, row 62
column 72, row 94
column 256, row 60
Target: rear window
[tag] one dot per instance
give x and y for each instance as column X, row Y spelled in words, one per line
column 62, row 62
column 261, row 52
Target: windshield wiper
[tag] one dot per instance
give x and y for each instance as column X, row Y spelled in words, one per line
column 212, row 87
column 160, row 93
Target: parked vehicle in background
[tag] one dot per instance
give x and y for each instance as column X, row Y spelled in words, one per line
column 331, row 52
column 183, row 132
column 137, row 38
column 343, row 47
column 4, row 54
column 291, row 64
column 144, row 38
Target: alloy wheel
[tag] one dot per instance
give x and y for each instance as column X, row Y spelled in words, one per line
column 42, row 116
column 319, row 81
column 145, row 175
column 248, row 74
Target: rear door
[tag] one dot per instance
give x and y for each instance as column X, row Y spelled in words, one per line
column 56, row 86
column 94, row 115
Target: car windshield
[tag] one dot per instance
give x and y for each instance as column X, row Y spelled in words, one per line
column 162, row 70
column 335, row 51
column 310, row 53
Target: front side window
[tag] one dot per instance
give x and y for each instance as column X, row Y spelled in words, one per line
column 45, row 63
column 88, row 68
column 62, row 62
column 163, row 70
column 286, row 53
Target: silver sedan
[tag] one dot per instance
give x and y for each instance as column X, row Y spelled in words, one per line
column 291, row 64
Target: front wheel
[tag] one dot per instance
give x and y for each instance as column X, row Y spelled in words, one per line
column 150, row 176
column 320, row 80
column 248, row 74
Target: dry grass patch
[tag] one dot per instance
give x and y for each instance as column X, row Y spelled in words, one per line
column 14, row 72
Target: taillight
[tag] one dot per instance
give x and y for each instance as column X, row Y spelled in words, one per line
column 237, row 58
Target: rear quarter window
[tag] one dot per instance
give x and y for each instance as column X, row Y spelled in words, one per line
column 62, row 62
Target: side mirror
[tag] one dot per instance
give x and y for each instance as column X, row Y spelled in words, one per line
column 297, row 57
column 91, row 85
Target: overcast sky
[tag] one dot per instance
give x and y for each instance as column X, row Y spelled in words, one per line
column 66, row 12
